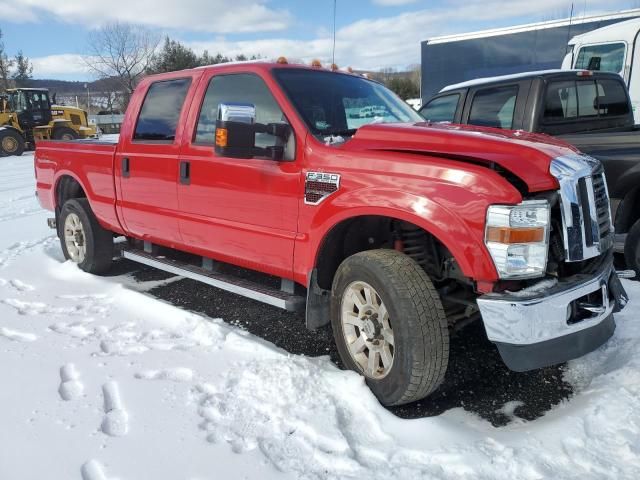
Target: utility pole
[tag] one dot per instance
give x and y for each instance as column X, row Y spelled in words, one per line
column 86, row 85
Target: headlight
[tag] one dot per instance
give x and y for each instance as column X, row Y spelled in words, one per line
column 517, row 237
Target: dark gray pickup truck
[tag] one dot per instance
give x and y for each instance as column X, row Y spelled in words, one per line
column 590, row 110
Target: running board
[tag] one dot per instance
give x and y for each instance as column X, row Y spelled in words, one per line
column 245, row 288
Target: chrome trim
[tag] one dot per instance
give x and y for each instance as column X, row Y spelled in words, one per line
column 543, row 315
column 573, row 171
column 240, row 287
column 332, row 179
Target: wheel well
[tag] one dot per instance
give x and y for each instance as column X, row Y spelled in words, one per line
column 68, row 188
column 628, row 212
column 363, row 233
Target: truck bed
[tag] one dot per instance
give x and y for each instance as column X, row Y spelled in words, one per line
column 90, row 162
column 618, row 151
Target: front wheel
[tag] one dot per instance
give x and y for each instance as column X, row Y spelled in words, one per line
column 389, row 325
column 632, row 248
column 82, row 238
column 11, row 143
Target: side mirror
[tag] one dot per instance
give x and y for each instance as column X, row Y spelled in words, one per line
column 236, row 133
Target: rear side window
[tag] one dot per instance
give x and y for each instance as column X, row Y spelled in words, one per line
column 569, row 100
column 494, row 107
column 441, row 109
column 605, row 58
column 161, row 109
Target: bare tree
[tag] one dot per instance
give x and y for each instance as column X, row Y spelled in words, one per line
column 5, row 64
column 122, row 52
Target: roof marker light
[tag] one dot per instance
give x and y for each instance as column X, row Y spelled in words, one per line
column 282, row 60
column 316, row 64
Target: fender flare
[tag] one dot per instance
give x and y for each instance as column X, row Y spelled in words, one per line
column 467, row 249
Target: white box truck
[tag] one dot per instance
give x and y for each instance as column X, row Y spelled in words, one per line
column 615, row 48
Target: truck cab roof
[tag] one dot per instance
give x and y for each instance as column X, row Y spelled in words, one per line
column 625, row 31
column 546, row 74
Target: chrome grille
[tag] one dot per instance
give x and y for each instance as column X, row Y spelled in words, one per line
column 584, row 200
column 602, row 204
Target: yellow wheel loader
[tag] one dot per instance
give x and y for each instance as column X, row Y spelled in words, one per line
column 26, row 116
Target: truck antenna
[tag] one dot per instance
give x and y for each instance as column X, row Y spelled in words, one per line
column 566, row 48
column 333, row 53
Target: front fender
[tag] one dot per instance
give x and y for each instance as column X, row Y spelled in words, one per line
column 453, row 215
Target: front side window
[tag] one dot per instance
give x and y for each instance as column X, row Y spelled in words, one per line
column 238, row 88
column 337, row 104
column 567, row 100
column 441, row 109
column 605, row 58
column 161, row 109
column 494, row 107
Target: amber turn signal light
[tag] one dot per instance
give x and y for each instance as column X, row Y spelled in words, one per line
column 509, row 235
column 221, row 137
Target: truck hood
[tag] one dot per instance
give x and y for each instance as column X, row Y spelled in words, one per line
column 525, row 155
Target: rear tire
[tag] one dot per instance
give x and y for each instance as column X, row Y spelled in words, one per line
column 64, row 133
column 82, row 238
column 11, row 143
column 632, row 249
column 382, row 302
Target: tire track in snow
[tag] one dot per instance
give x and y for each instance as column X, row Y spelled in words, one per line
column 19, row 248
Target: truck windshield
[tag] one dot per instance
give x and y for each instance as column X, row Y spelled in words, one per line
column 336, row 104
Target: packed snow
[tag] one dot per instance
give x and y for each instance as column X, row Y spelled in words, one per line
column 101, row 381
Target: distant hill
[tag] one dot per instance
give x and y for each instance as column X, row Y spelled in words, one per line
column 65, row 87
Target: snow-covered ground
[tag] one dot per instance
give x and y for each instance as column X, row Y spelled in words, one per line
column 101, row 381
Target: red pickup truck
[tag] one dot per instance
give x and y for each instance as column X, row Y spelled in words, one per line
column 342, row 201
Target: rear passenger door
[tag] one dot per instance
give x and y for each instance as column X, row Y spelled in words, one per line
column 497, row 106
column 147, row 162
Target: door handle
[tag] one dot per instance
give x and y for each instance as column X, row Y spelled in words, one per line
column 185, row 172
column 125, row 168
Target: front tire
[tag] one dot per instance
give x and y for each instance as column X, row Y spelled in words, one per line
column 82, row 238
column 632, row 249
column 11, row 143
column 389, row 325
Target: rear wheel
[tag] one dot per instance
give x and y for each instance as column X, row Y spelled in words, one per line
column 632, row 249
column 11, row 143
column 64, row 133
column 389, row 325
column 82, row 238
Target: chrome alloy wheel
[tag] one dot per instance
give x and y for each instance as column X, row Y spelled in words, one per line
column 74, row 238
column 367, row 331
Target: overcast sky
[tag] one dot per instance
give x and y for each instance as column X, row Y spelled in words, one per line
column 370, row 33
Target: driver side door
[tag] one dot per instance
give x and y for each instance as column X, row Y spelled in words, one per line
column 241, row 211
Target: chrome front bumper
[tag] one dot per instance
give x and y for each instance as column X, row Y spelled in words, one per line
column 544, row 326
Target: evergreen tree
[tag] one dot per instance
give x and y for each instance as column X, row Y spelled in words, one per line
column 173, row 56
column 24, row 70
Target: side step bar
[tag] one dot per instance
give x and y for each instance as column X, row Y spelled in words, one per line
column 271, row 296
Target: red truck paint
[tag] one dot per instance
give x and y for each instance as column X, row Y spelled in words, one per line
column 252, row 213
